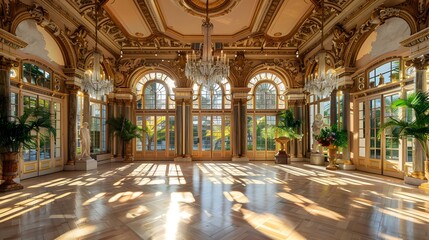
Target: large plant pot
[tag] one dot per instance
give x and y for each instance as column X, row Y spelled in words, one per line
column 332, row 155
column 129, row 157
column 426, row 184
column 10, row 170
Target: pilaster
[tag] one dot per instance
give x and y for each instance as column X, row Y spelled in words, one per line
column 5, row 66
column 183, row 124
column 238, row 125
column 297, row 147
column 120, row 104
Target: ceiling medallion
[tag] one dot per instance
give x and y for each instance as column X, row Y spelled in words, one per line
column 216, row 7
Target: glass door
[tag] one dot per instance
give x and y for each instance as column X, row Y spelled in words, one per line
column 45, row 156
column 261, row 134
column 211, row 137
column 158, row 138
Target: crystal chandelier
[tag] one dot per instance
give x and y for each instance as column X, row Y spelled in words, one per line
column 323, row 82
column 207, row 70
column 94, row 83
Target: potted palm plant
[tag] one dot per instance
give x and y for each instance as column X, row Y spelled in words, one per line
column 126, row 131
column 332, row 138
column 18, row 132
column 418, row 128
column 288, row 128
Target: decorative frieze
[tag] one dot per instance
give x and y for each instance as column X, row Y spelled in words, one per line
column 418, row 43
column 11, row 40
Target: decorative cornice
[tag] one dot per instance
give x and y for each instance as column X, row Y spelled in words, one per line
column 11, row 40
column 416, row 38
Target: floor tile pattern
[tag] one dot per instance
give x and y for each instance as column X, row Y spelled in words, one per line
column 214, row 200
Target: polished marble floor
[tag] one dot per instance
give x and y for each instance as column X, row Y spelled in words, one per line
column 214, row 200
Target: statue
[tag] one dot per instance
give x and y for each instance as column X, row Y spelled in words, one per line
column 316, row 127
column 85, row 141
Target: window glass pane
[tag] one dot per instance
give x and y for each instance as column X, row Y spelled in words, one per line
column 206, row 133
column 227, row 133
column 260, row 133
column 150, row 133
column 139, row 144
column 161, row 133
column 195, row 132
column 171, row 133
column 217, row 132
column 249, row 133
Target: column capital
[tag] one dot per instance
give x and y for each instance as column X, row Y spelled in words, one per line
column 420, row 63
column 240, row 92
column 6, row 63
column 74, row 76
column 73, row 89
column 183, row 93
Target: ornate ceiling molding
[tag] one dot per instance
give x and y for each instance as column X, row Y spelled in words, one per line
column 216, row 8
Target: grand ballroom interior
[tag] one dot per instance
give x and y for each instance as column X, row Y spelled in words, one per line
column 205, row 81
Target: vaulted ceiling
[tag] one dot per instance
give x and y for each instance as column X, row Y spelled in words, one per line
column 143, row 26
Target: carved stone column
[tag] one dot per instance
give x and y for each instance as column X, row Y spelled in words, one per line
column 74, row 78
column 419, row 51
column 420, row 84
column 120, row 103
column 183, row 124
column 72, row 131
column 239, row 124
column 5, row 65
column 296, row 100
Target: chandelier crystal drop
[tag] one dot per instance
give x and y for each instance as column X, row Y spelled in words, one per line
column 207, row 70
column 323, row 82
column 94, row 82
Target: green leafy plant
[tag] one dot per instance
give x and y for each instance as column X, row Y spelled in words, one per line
column 20, row 131
column 417, row 128
column 332, row 136
column 125, row 130
column 288, row 126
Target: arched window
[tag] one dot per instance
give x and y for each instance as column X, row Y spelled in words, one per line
column 155, row 96
column 211, row 98
column 271, row 87
column 157, row 93
column 154, row 92
column 265, row 96
column 217, row 98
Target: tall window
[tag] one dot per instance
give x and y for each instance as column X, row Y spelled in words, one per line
column 211, row 121
column 98, row 126
column 392, row 146
column 57, row 120
column 266, row 99
column 155, row 114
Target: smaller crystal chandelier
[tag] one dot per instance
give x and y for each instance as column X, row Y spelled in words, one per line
column 94, row 83
column 323, row 82
column 207, row 70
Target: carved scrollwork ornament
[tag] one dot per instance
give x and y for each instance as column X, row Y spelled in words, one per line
column 43, row 19
column 420, row 63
